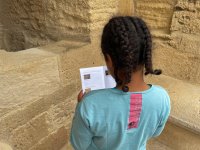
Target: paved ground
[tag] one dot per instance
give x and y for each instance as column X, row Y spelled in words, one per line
column 155, row 145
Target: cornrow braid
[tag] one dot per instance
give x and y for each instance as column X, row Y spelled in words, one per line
column 120, row 39
column 148, row 49
column 128, row 42
column 129, row 63
column 108, row 47
column 142, row 40
column 121, row 30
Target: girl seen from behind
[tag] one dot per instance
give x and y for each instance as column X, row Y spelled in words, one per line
column 127, row 116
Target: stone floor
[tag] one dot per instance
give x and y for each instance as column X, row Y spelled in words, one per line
column 155, row 145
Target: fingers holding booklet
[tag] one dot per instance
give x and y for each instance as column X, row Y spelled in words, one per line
column 96, row 78
column 80, row 96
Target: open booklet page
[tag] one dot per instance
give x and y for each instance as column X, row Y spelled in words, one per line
column 109, row 80
column 96, row 78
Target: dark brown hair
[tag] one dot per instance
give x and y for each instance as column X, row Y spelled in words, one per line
column 128, row 42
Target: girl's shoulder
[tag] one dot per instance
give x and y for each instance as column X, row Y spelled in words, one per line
column 95, row 94
column 94, row 99
column 159, row 88
column 162, row 93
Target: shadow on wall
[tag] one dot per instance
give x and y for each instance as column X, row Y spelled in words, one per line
column 26, row 24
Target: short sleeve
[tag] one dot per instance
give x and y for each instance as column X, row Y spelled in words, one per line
column 164, row 116
column 80, row 136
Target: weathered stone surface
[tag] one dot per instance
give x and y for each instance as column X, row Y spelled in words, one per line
column 4, row 146
column 101, row 11
column 175, row 28
column 184, row 66
column 157, row 13
column 186, row 17
column 20, row 116
column 1, row 36
column 22, row 82
column 34, row 23
column 39, row 86
column 70, row 62
column 51, row 65
column 185, row 104
column 156, row 145
column 53, row 141
column 126, row 7
column 185, row 43
column 32, row 132
column 57, row 103
column 61, row 114
column 185, row 27
column 24, row 74
column 178, row 138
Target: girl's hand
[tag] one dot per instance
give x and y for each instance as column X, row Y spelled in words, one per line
column 80, row 96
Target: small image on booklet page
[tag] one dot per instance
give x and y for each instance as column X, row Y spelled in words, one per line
column 96, row 78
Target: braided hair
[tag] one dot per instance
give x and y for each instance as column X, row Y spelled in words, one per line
column 128, row 42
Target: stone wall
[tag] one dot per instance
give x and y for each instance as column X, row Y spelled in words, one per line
column 174, row 25
column 30, row 24
column 39, row 86
column 38, row 93
column 175, row 28
column 27, row 24
column 157, row 13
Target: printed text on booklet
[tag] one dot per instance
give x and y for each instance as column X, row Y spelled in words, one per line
column 96, row 78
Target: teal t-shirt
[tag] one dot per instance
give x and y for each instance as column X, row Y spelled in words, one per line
column 111, row 119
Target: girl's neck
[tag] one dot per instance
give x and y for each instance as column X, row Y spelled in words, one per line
column 137, row 83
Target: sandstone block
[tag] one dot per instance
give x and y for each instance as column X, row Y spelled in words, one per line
column 186, row 17
column 154, row 144
column 53, row 141
column 70, row 62
column 30, row 133
column 32, row 24
column 182, row 139
column 4, row 146
column 23, row 81
column 157, row 13
column 21, row 116
column 184, row 66
column 185, row 103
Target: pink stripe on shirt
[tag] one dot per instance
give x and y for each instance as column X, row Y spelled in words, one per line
column 135, row 110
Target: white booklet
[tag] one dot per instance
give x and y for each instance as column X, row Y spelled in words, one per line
column 96, row 78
